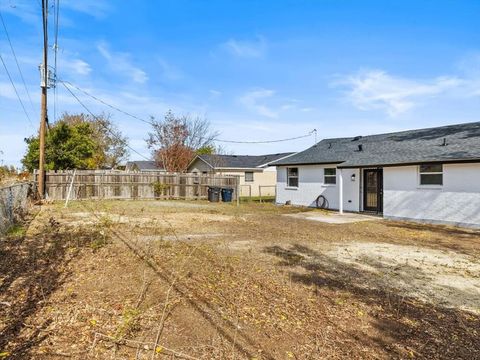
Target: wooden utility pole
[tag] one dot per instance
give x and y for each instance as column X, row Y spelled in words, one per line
column 43, row 111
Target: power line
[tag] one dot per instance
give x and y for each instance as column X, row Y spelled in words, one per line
column 267, row 141
column 105, row 103
column 95, row 117
column 55, row 49
column 64, row 82
column 16, row 60
column 16, row 92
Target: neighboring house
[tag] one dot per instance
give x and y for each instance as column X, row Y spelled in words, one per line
column 252, row 170
column 428, row 175
column 143, row 166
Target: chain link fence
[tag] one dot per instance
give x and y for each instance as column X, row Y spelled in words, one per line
column 14, row 202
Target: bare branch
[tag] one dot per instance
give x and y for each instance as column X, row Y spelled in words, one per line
column 175, row 140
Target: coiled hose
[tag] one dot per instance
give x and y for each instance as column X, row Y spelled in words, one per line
column 321, row 202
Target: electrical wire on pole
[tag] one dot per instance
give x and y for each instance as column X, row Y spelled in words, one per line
column 15, row 89
column 16, row 60
column 95, row 117
column 65, row 83
column 55, row 51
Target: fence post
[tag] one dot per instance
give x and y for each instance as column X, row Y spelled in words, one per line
column 70, row 188
column 10, row 204
column 238, row 190
column 116, row 184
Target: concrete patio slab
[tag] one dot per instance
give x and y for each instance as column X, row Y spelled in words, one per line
column 333, row 217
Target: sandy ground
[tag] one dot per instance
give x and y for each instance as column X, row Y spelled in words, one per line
column 331, row 217
column 439, row 276
column 142, row 280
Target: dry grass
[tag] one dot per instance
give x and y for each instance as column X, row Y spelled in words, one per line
column 143, row 280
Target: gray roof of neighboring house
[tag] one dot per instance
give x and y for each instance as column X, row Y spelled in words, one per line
column 241, row 161
column 440, row 144
column 142, row 165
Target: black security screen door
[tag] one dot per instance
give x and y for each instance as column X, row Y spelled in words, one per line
column 373, row 190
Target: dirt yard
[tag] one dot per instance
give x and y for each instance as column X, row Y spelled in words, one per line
column 190, row 280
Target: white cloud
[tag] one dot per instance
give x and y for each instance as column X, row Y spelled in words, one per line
column 247, row 49
column 30, row 12
column 252, row 100
column 469, row 65
column 264, row 102
column 307, row 109
column 214, row 94
column 24, row 10
column 7, row 91
column 95, row 8
column 75, row 66
column 287, row 107
column 121, row 63
column 169, row 71
column 376, row 89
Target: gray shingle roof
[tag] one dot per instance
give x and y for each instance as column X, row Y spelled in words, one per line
column 241, row 161
column 443, row 144
column 142, row 165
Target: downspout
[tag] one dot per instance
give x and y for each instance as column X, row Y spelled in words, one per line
column 340, row 191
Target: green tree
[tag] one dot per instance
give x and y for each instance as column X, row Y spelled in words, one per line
column 111, row 146
column 206, row 150
column 78, row 141
column 66, row 147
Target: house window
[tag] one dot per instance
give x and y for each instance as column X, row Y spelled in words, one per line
column 196, row 178
column 248, row 176
column 431, row 174
column 330, row 176
column 292, row 177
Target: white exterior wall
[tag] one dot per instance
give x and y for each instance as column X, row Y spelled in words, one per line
column 260, row 178
column 457, row 202
column 311, row 185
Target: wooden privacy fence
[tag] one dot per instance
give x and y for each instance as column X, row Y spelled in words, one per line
column 113, row 184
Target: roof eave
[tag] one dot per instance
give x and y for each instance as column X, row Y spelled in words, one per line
column 305, row 163
column 240, row 168
column 281, row 158
column 410, row 163
column 199, row 157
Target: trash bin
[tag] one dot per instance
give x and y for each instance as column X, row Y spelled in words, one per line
column 213, row 194
column 227, row 194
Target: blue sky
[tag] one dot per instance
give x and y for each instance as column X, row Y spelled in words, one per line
column 258, row 70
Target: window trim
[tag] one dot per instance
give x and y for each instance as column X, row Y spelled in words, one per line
column 293, row 177
column 196, row 178
column 420, row 173
column 253, row 176
column 325, row 176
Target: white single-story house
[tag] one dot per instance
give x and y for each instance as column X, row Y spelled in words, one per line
column 256, row 177
column 427, row 175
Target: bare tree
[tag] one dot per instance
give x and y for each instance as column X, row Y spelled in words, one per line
column 175, row 140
